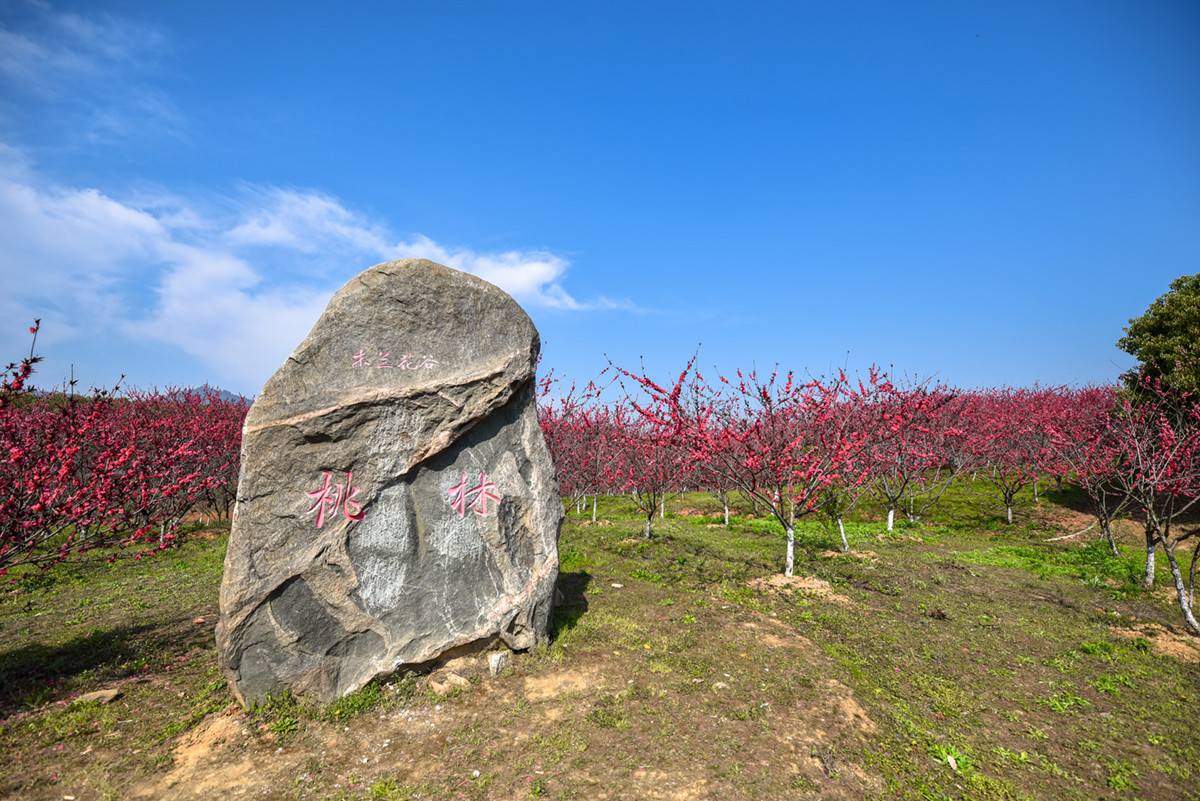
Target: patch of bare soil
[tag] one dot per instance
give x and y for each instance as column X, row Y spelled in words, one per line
column 1075, row 524
column 210, row 735
column 1061, row 517
column 818, row 733
column 696, row 511
column 866, row 556
column 842, row 699
column 838, row 697
column 1167, row 594
column 1180, row 645
column 821, row 734
column 210, row 533
column 207, row 762
column 884, row 536
column 554, row 684
column 809, row 585
column 225, row 757
column 784, row 637
column 525, row 718
column 656, row 785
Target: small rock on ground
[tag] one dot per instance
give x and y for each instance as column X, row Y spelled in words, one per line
column 498, row 661
column 103, row 696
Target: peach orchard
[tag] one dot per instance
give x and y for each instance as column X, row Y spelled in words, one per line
column 123, row 472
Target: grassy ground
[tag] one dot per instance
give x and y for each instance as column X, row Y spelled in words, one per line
column 963, row 658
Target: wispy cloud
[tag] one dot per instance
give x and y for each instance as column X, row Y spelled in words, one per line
column 314, row 223
column 308, row 222
column 66, row 250
column 96, row 71
column 214, row 306
column 215, row 279
column 531, row 276
column 233, row 279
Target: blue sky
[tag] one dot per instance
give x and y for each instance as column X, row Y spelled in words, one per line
column 982, row 191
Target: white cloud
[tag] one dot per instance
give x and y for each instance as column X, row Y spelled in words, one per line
column 217, row 280
column 96, row 72
column 306, row 221
column 531, row 276
column 56, row 48
column 314, row 223
column 236, row 281
column 66, row 249
column 210, row 306
column 21, row 58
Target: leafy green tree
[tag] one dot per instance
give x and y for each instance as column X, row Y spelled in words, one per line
column 1166, row 339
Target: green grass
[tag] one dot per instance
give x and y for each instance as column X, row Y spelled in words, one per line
column 962, row 659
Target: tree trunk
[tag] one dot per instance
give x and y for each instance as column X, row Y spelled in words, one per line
column 725, row 503
column 1192, row 575
column 1008, row 506
column 1148, row 581
column 842, row 531
column 791, row 551
column 649, row 517
column 594, row 497
column 1106, row 527
column 1181, row 592
column 891, row 518
column 662, row 507
column 1035, row 490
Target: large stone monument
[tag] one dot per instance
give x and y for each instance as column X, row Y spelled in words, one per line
column 396, row 504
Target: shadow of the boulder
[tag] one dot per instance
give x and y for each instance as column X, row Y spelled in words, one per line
column 573, row 604
column 34, row 674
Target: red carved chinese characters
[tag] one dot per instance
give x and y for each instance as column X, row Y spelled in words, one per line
column 476, row 497
column 408, row 361
column 328, row 500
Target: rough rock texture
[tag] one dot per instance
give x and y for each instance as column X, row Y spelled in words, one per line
column 396, row 503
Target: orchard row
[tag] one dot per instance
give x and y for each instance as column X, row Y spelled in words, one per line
column 819, row 446
column 82, row 473
column 79, row 473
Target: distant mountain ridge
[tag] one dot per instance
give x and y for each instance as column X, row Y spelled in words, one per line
column 222, row 394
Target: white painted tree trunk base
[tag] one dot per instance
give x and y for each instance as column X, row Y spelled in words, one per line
column 1148, row 578
column 1181, row 591
column 789, row 565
